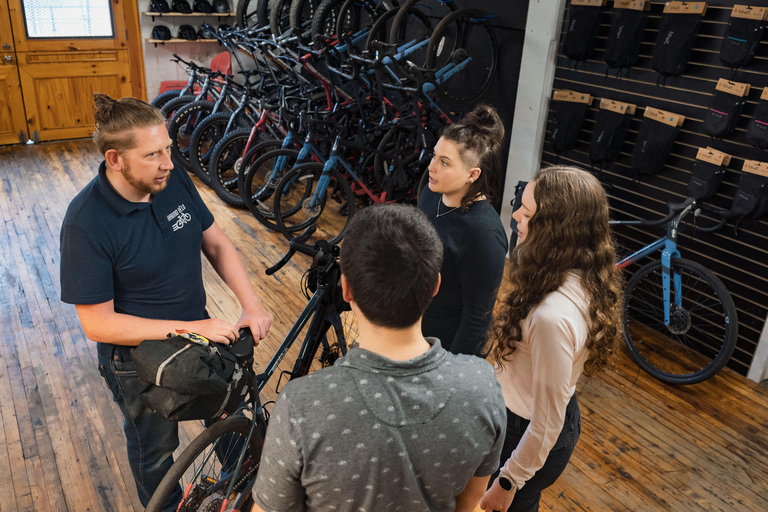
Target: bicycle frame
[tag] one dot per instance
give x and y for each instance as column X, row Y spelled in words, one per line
column 669, row 250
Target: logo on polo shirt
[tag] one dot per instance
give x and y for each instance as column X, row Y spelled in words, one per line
column 181, row 217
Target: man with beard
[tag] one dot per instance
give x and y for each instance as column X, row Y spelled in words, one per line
column 131, row 265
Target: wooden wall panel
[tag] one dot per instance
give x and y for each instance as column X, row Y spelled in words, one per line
column 741, row 261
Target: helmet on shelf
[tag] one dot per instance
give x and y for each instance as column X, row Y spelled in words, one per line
column 224, row 27
column 205, row 32
column 221, row 6
column 181, row 6
column 203, row 6
column 161, row 32
column 188, row 32
column 159, row 6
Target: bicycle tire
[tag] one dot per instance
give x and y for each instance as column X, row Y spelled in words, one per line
column 423, row 183
column 325, row 18
column 702, row 334
column 163, row 98
column 399, row 148
column 182, row 125
column 204, row 139
column 170, row 108
column 200, row 449
column 279, row 20
column 330, row 216
column 355, row 15
column 475, row 45
column 225, row 164
column 253, row 12
column 434, row 9
column 258, row 185
column 300, row 16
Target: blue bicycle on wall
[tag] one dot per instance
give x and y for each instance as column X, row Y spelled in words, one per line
column 680, row 322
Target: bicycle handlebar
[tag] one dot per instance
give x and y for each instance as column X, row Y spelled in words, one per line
column 296, row 245
column 674, row 209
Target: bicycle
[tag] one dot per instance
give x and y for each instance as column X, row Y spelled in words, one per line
column 680, row 322
column 218, row 469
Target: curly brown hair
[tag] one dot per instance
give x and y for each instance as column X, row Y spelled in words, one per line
column 568, row 232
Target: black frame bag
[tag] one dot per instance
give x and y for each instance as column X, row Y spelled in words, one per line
column 652, row 147
column 675, row 42
column 625, row 37
column 723, row 114
column 608, row 135
column 705, row 180
column 757, row 130
column 568, row 118
column 581, row 32
column 187, row 381
column 741, row 40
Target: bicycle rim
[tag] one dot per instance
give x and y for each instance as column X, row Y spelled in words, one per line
column 298, row 192
column 702, row 332
column 261, row 174
column 204, row 469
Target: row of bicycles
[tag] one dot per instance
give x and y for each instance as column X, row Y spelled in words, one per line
column 336, row 105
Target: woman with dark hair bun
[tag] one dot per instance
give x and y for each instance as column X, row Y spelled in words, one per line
column 561, row 319
column 463, row 184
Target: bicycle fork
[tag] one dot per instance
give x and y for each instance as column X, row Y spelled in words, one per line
column 670, row 251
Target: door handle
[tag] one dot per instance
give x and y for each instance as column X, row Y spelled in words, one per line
column 9, row 59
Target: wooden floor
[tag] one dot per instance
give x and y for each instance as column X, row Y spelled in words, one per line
column 644, row 445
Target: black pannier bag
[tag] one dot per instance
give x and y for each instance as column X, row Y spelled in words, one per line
column 652, row 147
column 705, row 179
column 751, row 198
column 674, row 43
column 581, row 31
column 723, row 114
column 742, row 37
column 608, row 136
column 757, row 130
column 568, row 118
column 187, row 381
column 625, row 37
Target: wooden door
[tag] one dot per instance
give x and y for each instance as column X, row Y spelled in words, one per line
column 59, row 75
column 13, row 122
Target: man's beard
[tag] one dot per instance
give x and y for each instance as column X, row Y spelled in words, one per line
column 142, row 186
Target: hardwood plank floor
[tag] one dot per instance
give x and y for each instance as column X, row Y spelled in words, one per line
column 644, row 445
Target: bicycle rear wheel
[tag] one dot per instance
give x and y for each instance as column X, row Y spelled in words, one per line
column 200, row 471
column 702, row 332
column 226, row 160
column 264, row 166
column 183, row 124
column 303, row 199
column 463, row 54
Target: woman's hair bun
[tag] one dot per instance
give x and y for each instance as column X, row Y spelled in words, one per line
column 484, row 120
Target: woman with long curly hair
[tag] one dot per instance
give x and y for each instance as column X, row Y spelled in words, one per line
column 560, row 319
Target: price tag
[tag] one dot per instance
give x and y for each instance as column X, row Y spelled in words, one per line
column 617, row 106
column 735, row 88
column 636, row 5
column 749, row 12
column 764, row 96
column 686, row 7
column 713, row 156
column 590, row 3
column 755, row 167
column 572, row 96
column 663, row 116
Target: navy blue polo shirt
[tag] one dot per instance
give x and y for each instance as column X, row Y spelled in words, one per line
column 144, row 256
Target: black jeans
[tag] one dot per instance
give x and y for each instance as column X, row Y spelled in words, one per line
column 527, row 498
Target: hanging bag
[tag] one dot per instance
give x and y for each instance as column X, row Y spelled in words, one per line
column 569, row 110
column 581, row 31
column 757, row 129
column 611, row 126
column 625, row 37
column 751, row 198
column 724, row 111
column 675, row 40
column 705, row 179
column 654, row 142
column 742, row 36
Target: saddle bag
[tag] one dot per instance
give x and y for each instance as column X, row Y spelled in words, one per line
column 184, row 380
column 705, row 179
column 723, row 114
column 674, row 43
column 742, row 37
column 625, row 37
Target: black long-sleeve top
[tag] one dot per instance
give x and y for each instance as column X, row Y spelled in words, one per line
column 474, row 251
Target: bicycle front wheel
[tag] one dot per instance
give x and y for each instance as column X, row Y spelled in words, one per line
column 702, row 331
column 205, row 468
column 306, row 196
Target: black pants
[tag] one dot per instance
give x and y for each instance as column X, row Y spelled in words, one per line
column 527, row 498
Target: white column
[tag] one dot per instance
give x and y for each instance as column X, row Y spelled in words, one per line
column 537, row 73
column 758, row 370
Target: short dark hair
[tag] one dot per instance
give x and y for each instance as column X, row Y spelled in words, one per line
column 391, row 258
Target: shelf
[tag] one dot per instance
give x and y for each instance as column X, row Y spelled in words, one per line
column 197, row 14
column 177, row 40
